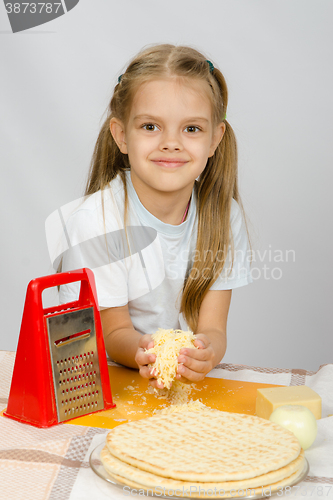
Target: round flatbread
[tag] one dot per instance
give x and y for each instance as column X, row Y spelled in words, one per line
column 128, row 473
column 254, row 492
column 204, row 446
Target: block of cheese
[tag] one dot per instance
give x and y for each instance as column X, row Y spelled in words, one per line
column 273, row 397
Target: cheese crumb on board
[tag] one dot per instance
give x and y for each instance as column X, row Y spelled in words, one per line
column 184, row 407
column 167, row 344
column 271, row 398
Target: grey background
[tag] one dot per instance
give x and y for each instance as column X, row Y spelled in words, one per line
column 276, row 55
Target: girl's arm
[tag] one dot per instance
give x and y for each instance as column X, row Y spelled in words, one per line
column 211, row 338
column 122, row 342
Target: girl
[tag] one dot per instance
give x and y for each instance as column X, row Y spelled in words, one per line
column 162, row 226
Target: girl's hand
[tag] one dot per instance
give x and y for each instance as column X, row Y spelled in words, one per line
column 196, row 363
column 143, row 358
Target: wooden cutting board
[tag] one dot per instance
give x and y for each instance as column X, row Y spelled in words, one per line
column 129, row 392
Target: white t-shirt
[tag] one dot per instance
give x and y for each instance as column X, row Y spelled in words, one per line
column 149, row 277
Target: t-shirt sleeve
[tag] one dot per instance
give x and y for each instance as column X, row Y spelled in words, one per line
column 240, row 273
column 92, row 245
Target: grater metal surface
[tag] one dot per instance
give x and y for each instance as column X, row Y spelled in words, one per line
column 74, row 359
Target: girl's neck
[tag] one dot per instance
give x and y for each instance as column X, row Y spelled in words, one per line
column 168, row 207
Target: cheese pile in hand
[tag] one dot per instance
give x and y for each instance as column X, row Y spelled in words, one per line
column 167, row 344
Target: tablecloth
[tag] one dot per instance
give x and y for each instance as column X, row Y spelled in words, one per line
column 53, row 463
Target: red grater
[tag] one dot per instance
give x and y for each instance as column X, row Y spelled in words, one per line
column 60, row 368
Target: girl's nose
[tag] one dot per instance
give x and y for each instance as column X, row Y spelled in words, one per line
column 171, row 142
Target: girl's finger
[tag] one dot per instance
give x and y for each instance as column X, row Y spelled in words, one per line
column 199, row 343
column 146, row 341
column 195, row 365
column 142, row 358
column 199, row 354
column 190, row 375
column 153, row 383
column 145, row 371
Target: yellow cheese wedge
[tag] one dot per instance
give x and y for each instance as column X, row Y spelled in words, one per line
column 271, row 398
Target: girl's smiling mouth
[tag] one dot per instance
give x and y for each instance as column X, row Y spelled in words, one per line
column 169, row 162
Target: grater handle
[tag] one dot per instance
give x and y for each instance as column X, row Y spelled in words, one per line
column 88, row 294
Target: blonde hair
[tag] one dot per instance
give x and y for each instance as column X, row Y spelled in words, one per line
column 217, row 185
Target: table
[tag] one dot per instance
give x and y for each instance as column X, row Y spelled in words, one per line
column 53, row 463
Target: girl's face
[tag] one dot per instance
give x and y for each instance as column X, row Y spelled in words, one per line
column 169, row 134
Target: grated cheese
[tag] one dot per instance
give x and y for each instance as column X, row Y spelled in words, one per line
column 167, row 344
column 184, row 407
column 177, row 394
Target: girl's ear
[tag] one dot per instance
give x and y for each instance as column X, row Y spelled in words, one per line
column 217, row 138
column 117, row 130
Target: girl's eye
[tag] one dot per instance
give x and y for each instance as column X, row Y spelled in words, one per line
column 150, row 127
column 192, row 129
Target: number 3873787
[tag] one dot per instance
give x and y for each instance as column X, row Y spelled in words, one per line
column 32, row 8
